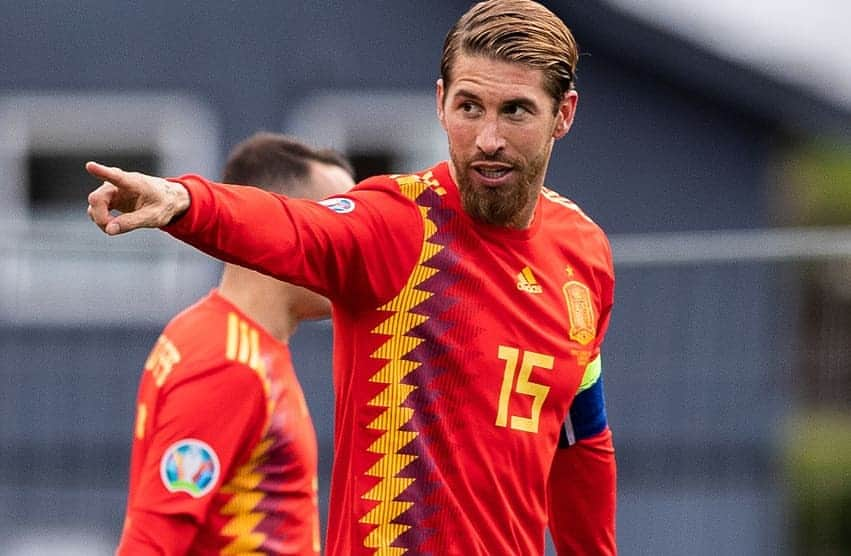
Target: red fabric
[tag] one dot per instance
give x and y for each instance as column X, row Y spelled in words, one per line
column 148, row 534
column 342, row 256
column 453, row 373
column 582, row 492
column 215, row 378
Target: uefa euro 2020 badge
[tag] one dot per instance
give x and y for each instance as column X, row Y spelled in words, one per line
column 340, row 205
column 190, row 466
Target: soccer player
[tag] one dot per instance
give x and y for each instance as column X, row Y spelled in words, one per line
column 224, row 450
column 470, row 305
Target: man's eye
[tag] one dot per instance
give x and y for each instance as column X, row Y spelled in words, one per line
column 468, row 107
column 515, row 110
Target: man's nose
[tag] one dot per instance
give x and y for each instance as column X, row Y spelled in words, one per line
column 489, row 139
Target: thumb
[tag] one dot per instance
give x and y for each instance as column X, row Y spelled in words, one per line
column 129, row 221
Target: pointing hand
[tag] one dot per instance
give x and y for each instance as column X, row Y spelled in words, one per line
column 143, row 201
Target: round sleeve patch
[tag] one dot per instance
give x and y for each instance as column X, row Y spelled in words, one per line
column 190, row 466
column 340, row 205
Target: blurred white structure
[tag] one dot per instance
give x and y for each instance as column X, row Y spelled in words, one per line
column 58, row 542
column 57, row 268
column 805, row 43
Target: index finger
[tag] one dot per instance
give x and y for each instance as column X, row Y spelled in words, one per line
column 106, row 173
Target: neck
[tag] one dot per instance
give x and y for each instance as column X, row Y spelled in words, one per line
column 266, row 300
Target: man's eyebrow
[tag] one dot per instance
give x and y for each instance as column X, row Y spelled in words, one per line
column 464, row 93
column 522, row 101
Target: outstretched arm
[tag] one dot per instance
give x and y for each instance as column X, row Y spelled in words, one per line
column 143, row 201
column 307, row 243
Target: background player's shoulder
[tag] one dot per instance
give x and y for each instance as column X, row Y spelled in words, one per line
column 200, row 321
column 198, row 336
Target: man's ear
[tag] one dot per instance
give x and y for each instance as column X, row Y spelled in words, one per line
column 438, row 98
column 565, row 114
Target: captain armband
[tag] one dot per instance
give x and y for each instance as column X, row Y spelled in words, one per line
column 587, row 415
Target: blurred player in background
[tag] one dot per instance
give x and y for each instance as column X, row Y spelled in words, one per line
column 470, row 306
column 224, row 453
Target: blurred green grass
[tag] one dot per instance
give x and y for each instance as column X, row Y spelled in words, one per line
column 819, row 471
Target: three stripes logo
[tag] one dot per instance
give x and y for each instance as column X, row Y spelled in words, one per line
column 526, row 281
column 243, row 343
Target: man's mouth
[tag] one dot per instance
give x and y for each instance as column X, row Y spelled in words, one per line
column 493, row 173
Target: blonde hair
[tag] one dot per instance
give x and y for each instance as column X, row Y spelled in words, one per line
column 518, row 31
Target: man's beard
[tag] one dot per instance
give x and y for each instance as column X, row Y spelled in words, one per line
column 510, row 205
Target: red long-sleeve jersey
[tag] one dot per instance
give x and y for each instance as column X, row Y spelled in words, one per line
column 469, row 403
column 224, row 451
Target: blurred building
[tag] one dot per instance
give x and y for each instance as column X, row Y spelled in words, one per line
column 668, row 138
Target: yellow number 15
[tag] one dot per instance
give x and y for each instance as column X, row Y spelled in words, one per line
column 524, row 386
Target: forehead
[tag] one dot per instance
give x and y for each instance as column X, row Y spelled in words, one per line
column 485, row 76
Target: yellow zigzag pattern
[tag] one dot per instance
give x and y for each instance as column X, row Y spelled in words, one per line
column 243, row 346
column 394, row 394
column 243, row 486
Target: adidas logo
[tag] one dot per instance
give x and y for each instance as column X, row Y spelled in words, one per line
column 526, row 281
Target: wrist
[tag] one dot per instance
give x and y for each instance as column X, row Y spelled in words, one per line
column 178, row 200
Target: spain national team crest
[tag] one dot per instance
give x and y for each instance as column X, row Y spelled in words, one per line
column 580, row 309
column 190, row 466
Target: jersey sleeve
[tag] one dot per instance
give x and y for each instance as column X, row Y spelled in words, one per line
column 356, row 248
column 204, row 428
column 582, row 496
column 582, row 486
column 147, row 534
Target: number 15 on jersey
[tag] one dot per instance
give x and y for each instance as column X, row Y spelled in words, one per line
column 528, row 361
